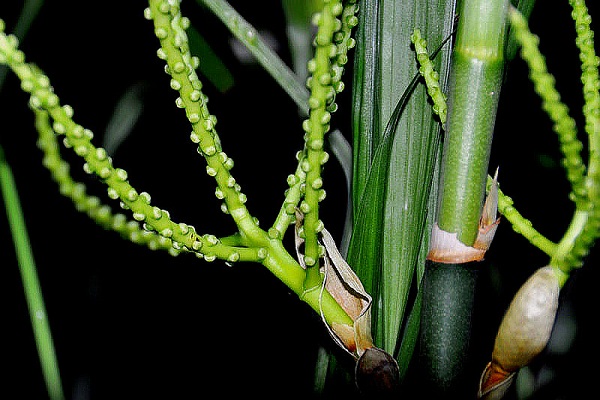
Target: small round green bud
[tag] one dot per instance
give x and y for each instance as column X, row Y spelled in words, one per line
column 210, row 171
column 274, row 233
column 175, row 85
column 145, row 196
column 139, row 217
column 166, row 233
column 224, row 208
column 309, row 261
column 194, row 118
column 161, row 33
column 262, row 253
column 212, row 240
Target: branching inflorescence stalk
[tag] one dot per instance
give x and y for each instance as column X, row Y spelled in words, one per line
column 584, row 226
column 251, row 243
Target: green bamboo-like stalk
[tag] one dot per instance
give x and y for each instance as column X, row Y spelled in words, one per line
column 476, row 75
column 475, row 82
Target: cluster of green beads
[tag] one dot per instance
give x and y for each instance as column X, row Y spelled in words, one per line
column 591, row 111
column 322, row 84
column 91, row 205
column 170, row 29
column 98, row 162
column 544, row 85
column 432, row 79
column 589, row 66
column 297, row 182
column 585, row 225
column 343, row 41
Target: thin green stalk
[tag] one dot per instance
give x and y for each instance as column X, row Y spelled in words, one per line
column 579, row 239
column 300, row 32
column 544, row 85
column 476, row 78
column 28, row 14
column 91, row 205
column 31, row 283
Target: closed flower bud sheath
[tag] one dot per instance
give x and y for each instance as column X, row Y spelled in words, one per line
column 524, row 331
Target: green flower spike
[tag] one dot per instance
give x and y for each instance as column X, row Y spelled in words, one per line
column 260, row 246
column 98, row 162
column 91, row 205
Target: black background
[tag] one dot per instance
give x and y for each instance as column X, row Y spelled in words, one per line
column 130, row 322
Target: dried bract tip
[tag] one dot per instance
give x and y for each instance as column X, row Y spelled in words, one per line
column 494, row 382
column 489, row 217
column 445, row 246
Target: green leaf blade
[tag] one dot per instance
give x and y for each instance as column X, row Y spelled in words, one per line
column 393, row 178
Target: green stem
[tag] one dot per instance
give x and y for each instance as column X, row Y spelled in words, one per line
column 475, row 81
column 258, row 246
column 583, row 229
column 579, row 240
column 169, row 28
column 563, row 257
column 91, row 205
column 449, row 287
column 31, row 283
column 287, row 212
column 287, row 269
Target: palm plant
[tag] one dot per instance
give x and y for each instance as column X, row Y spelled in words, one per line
column 403, row 94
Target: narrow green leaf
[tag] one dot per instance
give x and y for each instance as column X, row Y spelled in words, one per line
column 365, row 112
column 393, row 174
column 31, row 282
column 406, row 346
